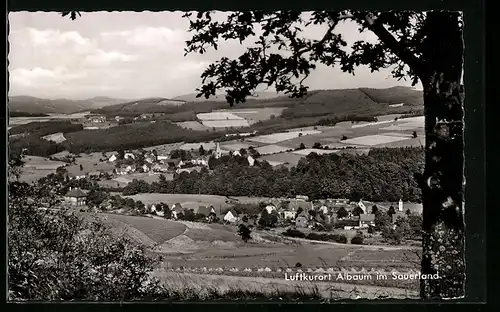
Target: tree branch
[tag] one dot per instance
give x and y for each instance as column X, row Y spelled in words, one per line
column 394, row 45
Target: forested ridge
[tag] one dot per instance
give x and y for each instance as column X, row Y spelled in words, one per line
column 386, row 174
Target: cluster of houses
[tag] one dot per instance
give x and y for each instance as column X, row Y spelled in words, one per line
column 155, row 163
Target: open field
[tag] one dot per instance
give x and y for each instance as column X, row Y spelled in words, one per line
column 282, row 136
column 165, row 149
column 308, row 151
column 235, row 123
column 218, row 116
column 90, row 162
column 236, row 146
column 203, row 284
column 36, row 167
column 271, row 149
column 255, row 115
column 376, row 139
column 159, row 230
column 193, row 125
column 283, row 158
column 195, row 146
column 123, row 180
column 56, row 137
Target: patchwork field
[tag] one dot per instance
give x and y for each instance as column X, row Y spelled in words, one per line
column 56, row 137
column 121, row 181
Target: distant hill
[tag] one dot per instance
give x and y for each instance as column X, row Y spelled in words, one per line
column 29, row 104
column 191, row 97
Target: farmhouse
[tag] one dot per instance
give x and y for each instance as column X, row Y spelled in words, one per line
column 156, row 209
column 302, row 220
column 160, row 168
column 188, row 170
column 96, row 118
column 113, row 158
column 270, row 208
column 323, row 209
column 76, row 197
column 129, row 155
column 366, row 220
column 176, row 210
column 231, row 216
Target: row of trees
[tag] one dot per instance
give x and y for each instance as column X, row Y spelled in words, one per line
column 382, row 175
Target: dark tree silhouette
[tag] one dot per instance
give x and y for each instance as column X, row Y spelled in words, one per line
column 201, row 150
column 342, row 213
column 391, row 211
column 424, row 46
column 302, row 146
column 244, row 232
column 374, row 209
column 414, row 134
column 357, row 211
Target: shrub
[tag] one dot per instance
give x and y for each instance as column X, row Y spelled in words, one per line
column 294, row 233
column 357, row 240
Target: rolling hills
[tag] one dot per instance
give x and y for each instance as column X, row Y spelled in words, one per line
column 319, row 102
column 29, row 104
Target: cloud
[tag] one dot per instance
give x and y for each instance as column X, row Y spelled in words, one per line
column 158, row 37
column 41, row 76
column 103, row 58
column 55, row 38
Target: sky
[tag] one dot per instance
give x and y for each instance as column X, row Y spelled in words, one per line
column 130, row 55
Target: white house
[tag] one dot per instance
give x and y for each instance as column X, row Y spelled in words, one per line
column 145, row 168
column 163, row 157
column 231, row 216
column 153, row 210
column 112, row 158
column 289, row 214
column 362, row 206
column 251, row 160
column 176, row 210
column 270, row 208
column 323, row 209
column 400, row 205
column 199, row 161
column 129, row 155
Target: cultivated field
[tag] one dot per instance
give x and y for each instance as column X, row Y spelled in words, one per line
column 121, row 181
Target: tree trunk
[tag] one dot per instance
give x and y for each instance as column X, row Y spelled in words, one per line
column 443, row 181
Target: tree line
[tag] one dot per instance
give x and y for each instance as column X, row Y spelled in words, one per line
column 386, row 174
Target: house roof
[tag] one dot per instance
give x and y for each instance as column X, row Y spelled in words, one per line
column 296, row 204
column 234, row 213
column 204, row 210
column 366, row 217
column 77, row 193
column 174, row 161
